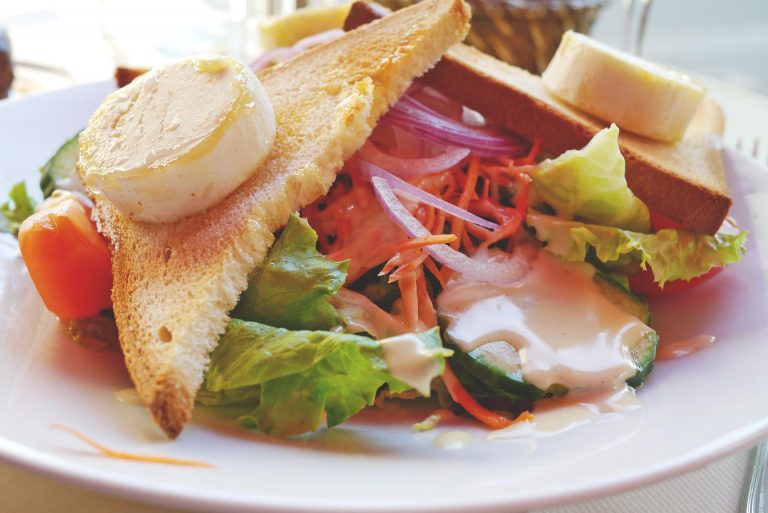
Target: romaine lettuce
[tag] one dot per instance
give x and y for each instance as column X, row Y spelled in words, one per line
column 589, row 185
column 671, row 254
column 291, row 289
column 304, row 376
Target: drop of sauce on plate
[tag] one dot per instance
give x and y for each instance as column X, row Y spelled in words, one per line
column 554, row 416
column 452, row 440
column 681, row 348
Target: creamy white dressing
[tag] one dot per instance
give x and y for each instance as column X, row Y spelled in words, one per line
column 680, row 348
column 555, row 416
column 411, row 361
column 565, row 331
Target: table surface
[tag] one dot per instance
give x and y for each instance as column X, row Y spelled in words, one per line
column 715, row 488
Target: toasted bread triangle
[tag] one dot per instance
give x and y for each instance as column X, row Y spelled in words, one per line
column 684, row 181
column 175, row 284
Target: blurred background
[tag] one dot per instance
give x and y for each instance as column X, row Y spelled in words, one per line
column 58, row 43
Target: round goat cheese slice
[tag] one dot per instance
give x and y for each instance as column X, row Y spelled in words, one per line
column 178, row 139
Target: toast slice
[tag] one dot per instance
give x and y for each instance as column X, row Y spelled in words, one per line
column 174, row 284
column 684, row 181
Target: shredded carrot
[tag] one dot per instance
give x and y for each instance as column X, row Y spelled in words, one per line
column 428, row 217
column 409, row 267
column 439, row 225
column 109, row 453
column 466, row 241
column 523, row 194
column 395, row 261
column 488, row 207
column 429, row 263
column 525, row 416
column 459, row 394
column 508, row 229
column 478, row 231
column 457, row 225
column 420, row 242
column 532, row 153
column 409, row 294
column 427, row 313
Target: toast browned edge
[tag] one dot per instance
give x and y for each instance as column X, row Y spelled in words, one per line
column 683, row 181
column 176, row 283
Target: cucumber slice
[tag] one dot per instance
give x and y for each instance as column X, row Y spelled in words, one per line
column 59, row 171
column 644, row 350
column 495, row 366
column 617, row 294
column 488, row 396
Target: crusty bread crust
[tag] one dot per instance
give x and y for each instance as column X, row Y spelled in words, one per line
column 174, row 284
column 684, row 181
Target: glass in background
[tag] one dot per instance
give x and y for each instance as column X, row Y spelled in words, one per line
column 636, row 16
column 525, row 33
column 727, row 41
column 144, row 33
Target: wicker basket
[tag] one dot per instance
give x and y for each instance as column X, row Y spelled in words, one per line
column 525, row 33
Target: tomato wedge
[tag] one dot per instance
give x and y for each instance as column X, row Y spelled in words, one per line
column 67, row 259
column 660, row 222
column 643, row 283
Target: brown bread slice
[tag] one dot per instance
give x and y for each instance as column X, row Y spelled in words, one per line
column 175, row 284
column 684, row 181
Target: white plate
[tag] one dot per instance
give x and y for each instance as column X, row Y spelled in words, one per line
column 695, row 409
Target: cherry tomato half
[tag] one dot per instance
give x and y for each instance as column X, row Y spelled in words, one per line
column 643, row 283
column 67, row 259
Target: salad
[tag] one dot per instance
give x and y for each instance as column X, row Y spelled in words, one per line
column 508, row 277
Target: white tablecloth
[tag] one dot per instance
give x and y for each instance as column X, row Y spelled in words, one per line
column 715, row 488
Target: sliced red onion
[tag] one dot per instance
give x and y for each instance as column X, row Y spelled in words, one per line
column 431, row 98
column 510, row 271
column 410, row 168
column 417, row 194
column 286, row 52
column 271, row 57
column 318, row 39
column 407, row 144
column 412, row 115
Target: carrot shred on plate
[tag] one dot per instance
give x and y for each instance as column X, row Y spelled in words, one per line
column 109, row 453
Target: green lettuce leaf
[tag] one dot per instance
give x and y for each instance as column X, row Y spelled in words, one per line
column 19, row 207
column 292, row 288
column 225, row 397
column 305, row 377
column 671, row 254
column 589, row 185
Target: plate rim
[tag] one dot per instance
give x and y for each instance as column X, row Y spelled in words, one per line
column 191, row 498
column 203, row 499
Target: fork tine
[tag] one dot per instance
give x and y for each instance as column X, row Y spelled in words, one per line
column 754, row 147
